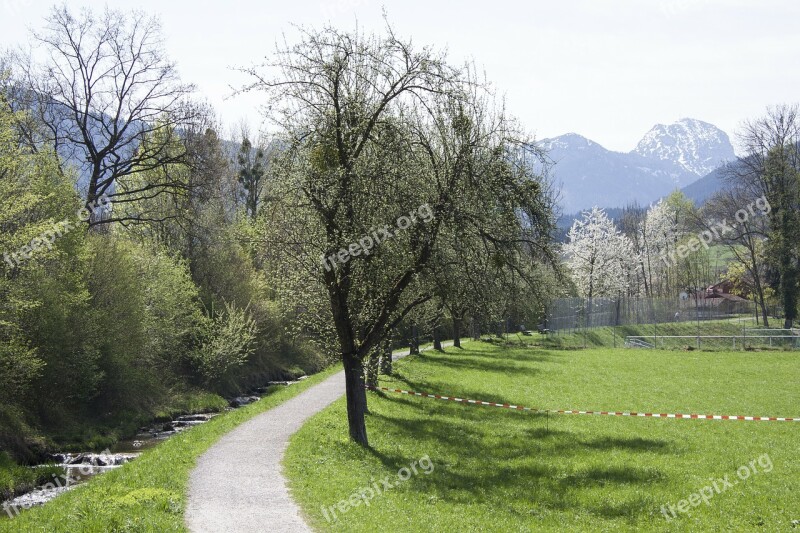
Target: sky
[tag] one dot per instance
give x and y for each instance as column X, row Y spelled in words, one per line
column 606, row 69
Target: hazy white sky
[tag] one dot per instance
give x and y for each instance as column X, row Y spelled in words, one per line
column 607, row 69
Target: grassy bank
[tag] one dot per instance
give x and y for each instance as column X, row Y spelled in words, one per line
column 608, row 337
column 148, row 494
column 501, row 470
column 16, row 479
column 28, row 444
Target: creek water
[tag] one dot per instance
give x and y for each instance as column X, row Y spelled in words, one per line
column 78, row 468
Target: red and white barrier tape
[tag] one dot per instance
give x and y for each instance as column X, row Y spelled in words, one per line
column 606, row 413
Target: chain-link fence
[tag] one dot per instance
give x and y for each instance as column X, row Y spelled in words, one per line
column 710, row 321
column 572, row 314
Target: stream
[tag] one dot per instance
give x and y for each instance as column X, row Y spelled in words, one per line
column 81, row 467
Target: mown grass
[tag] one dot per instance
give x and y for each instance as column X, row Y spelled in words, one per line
column 148, row 494
column 501, row 470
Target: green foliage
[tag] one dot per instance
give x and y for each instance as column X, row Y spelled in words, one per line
column 229, row 341
column 252, row 168
column 19, row 366
column 191, row 402
column 43, row 295
column 101, row 330
column 783, row 252
column 154, row 210
column 173, row 316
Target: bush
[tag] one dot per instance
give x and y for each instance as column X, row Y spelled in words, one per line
column 229, row 341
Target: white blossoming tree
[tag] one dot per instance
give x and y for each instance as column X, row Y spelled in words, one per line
column 600, row 258
column 664, row 228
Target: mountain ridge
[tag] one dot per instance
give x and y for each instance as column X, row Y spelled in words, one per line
column 668, row 157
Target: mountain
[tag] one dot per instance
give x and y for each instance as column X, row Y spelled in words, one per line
column 704, row 188
column 668, row 157
column 691, row 145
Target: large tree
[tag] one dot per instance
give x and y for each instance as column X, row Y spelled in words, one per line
column 386, row 147
column 744, row 239
column 600, row 258
column 104, row 87
column 771, row 169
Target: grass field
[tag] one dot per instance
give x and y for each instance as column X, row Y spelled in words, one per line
column 148, row 494
column 499, row 470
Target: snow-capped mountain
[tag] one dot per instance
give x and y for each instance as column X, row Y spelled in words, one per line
column 695, row 146
column 668, row 157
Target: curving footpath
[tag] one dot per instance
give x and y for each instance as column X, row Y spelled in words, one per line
column 238, row 484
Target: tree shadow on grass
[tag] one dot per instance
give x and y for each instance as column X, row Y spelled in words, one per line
column 486, row 365
column 560, row 441
column 454, row 390
column 392, row 397
column 612, row 475
column 515, row 353
column 473, row 412
column 634, row 444
column 528, row 469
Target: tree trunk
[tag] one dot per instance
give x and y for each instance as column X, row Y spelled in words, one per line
column 764, row 313
column 386, row 358
column 356, row 398
column 762, row 306
column 759, row 290
column 457, row 332
column 372, row 367
column 789, row 287
column 414, row 341
column 437, row 339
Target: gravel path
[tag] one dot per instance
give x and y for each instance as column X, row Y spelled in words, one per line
column 238, row 485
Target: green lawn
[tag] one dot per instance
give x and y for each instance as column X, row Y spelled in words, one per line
column 500, row 470
column 148, row 494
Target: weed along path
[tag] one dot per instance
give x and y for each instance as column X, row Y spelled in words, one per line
column 238, row 485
